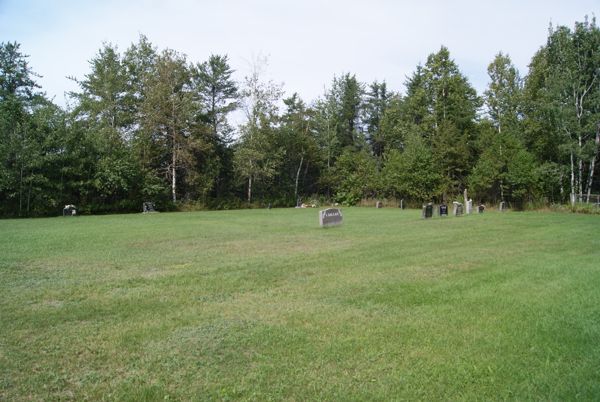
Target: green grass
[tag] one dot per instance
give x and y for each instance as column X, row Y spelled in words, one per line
column 265, row 305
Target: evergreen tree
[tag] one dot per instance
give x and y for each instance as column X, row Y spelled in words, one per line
column 505, row 167
column 168, row 111
column 345, row 96
column 355, row 176
column 103, row 115
column 377, row 100
column 295, row 136
column 411, row 173
column 21, row 145
column 216, row 94
column 441, row 106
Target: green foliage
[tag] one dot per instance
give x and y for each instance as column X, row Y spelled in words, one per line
column 564, row 103
column 354, row 177
column 149, row 125
column 411, row 173
column 216, row 93
column 441, row 106
column 503, row 97
column 257, row 155
column 377, row 100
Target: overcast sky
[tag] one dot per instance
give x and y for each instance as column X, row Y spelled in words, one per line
column 307, row 42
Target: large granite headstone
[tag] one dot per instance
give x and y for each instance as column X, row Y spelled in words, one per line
column 330, row 217
column 443, row 210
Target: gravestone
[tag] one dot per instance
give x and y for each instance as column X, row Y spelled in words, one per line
column 402, row 204
column 379, row 204
column 427, row 211
column 330, row 217
column 469, row 206
column 69, row 210
column 443, row 210
column 481, row 208
column 148, row 207
column 502, row 206
column 458, row 208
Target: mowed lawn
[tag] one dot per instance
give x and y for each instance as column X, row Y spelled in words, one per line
column 265, row 305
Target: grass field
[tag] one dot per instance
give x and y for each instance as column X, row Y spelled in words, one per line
column 265, row 305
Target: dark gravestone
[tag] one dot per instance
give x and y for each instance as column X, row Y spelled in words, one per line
column 148, row 207
column 379, row 204
column 330, row 217
column 69, row 210
column 443, row 210
column 427, row 211
column 481, row 208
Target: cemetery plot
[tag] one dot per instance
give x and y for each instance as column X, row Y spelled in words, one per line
column 235, row 304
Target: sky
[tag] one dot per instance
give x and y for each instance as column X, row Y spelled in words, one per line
column 306, row 42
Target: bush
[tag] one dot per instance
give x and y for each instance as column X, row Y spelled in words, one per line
column 578, row 208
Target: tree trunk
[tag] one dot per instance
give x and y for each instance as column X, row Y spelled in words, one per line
column 573, row 191
column 249, row 189
column 562, row 190
column 580, row 170
column 297, row 177
column 174, row 177
column 21, row 190
column 29, row 195
column 593, row 165
column 501, row 179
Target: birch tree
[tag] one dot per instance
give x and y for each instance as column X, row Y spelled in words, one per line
column 573, row 84
column 255, row 157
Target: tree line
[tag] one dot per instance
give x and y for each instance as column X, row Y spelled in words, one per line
column 150, row 125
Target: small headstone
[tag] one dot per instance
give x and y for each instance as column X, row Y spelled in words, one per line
column 379, row 204
column 148, row 207
column 427, row 211
column 330, row 217
column 69, row 210
column 443, row 210
column 481, row 208
column 469, row 206
column 502, row 206
column 458, row 208
column 402, row 204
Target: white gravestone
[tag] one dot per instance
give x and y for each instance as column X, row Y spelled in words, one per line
column 469, row 206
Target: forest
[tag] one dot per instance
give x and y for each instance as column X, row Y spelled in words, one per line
column 148, row 124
